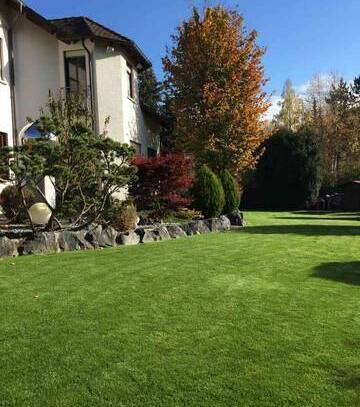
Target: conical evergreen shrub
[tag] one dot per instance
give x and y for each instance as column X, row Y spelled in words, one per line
column 208, row 193
column 231, row 190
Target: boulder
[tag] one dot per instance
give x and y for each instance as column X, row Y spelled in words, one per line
column 108, row 236
column 195, row 227
column 8, row 247
column 225, row 223
column 175, row 231
column 129, row 238
column 236, row 218
column 162, row 233
column 69, row 241
column 93, row 235
column 218, row 224
column 146, row 235
column 42, row 243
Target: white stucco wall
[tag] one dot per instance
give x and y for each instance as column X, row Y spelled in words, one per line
column 5, row 99
column 108, row 86
column 136, row 127
column 127, row 121
column 36, row 69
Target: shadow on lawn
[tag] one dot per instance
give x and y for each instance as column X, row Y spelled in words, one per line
column 305, row 230
column 352, row 218
column 348, row 273
column 321, row 213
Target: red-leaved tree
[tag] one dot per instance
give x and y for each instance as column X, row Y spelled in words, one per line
column 163, row 182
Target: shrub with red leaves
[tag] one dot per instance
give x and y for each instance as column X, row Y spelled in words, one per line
column 163, row 182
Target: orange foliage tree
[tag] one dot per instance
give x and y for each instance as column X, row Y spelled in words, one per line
column 215, row 78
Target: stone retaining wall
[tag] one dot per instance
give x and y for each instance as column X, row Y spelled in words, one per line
column 20, row 243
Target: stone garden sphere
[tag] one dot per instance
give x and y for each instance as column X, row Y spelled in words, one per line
column 40, row 213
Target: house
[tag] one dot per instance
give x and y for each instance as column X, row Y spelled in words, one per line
column 38, row 56
column 351, row 199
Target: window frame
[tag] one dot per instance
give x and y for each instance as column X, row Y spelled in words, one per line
column 4, row 142
column 130, row 80
column 2, row 65
column 68, row 55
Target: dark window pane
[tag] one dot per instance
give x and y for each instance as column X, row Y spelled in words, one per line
column 75, row 74
column 3, row 140
column 130, row 80
column 1, row 59
column 151, row 153
column 4, row 143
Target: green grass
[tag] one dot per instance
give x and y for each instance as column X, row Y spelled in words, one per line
column 265, row 316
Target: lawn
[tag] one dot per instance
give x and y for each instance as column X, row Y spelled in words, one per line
column 265, row 316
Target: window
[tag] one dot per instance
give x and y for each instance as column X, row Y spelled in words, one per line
column 3, row 143
column 3, row 140
column 136, row 146
column 130, row 81
column 1, row 60
column 75, row 74
column 151, row 152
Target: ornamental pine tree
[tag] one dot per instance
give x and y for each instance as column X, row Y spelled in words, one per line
column 231, row 191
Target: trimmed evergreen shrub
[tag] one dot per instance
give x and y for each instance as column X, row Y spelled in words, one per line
column 290, row 172
column 208, row 193
column 231, row 191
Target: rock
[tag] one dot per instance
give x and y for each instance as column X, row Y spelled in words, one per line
column 108, row 236
column 195, row 227
column 225, row 222
column 236, row 218
column 42, row 243
column 69, row 241
column 16, row 232
column 8, row 247
column 175, row 231
column 218, row 224
column 94, row 236
column 162, row 233
column 146, row 235
column 128, row 238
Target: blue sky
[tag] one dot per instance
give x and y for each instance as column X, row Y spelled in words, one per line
column 302, row 37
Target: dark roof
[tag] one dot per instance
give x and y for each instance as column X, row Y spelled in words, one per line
column 32, row 15
column 79, row 28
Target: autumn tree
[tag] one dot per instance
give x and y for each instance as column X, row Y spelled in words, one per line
column 333, row 115
column 291, row 114
column 215, row 77
column 343, row 130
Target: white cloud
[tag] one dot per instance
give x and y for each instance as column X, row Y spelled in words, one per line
column 274, row 108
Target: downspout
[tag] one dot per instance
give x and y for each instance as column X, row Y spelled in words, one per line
column 90, row 62
column 10, row 33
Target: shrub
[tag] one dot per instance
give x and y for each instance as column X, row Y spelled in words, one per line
column 290, row 172
column 231, row 191
column 124, row 216
column 88, row 168
column 11, row 203
column 208, row 193
column 163, row 182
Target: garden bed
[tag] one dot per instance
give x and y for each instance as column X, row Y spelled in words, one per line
column 20, row 240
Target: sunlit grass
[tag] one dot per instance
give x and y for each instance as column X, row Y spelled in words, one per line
column 265, row 316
